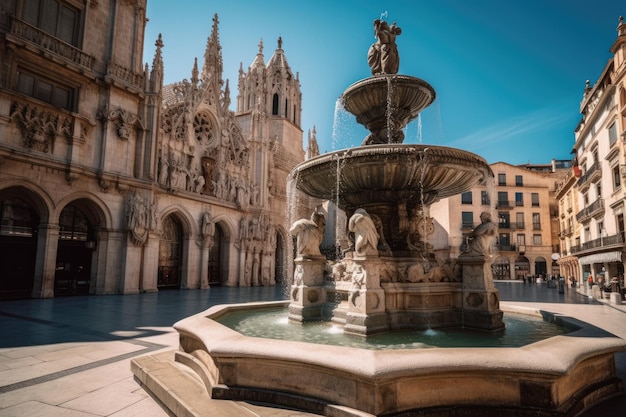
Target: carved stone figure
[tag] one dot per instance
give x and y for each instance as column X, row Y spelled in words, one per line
column 482, row 237
column 383, row 55
column 309, row 234
column 365, row 234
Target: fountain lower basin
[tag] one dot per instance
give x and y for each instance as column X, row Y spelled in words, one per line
column 559, row 376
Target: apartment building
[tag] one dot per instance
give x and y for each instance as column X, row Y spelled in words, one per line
column 591, row 198
column 521, row 201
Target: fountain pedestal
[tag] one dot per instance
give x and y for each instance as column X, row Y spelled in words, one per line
column 366, row 299
column 481, row 300
column 307, row 292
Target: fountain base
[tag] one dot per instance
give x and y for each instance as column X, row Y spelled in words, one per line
column 559, row 376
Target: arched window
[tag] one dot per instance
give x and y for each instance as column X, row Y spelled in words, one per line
column 275, row 105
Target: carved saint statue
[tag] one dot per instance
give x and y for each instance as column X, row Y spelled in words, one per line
column 309, row 234
column 383, row 55
column 482, row 237
column 365, row 234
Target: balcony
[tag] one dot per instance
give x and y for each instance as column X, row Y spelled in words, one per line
column 22, row 31
column 592, row 174
column 600, row 242
column 519, row 225
column 594, row 209
column 507, row 247
column 501, row 204
column 467, row 225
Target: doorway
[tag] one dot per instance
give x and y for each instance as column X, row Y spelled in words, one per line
column 18, row 248
column 170, row 254
column 216, row 274
column 72, row 275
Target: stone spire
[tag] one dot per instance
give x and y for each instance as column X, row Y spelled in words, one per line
column 156, row 76
column 278, row 60
column 259, row 60
column 213, row 67
column 312, row 147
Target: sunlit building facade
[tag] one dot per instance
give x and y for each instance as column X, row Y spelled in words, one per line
column 113, row 183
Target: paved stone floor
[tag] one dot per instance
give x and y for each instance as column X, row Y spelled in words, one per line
column 70, row 356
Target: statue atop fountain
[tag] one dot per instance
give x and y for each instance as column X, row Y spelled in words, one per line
column 383, row 55
column 390, row 276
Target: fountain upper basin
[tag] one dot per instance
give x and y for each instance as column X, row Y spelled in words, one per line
column 387, row 101
column 391, row 173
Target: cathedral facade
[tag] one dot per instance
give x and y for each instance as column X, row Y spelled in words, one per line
column 113, row 183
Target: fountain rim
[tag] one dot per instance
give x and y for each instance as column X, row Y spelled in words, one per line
column 389, row 149
column 402, row 78
column 545, row 356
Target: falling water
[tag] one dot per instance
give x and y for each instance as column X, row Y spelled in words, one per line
column 419, row 128
column 390, row 110
column 291, row 215
column 341, row 123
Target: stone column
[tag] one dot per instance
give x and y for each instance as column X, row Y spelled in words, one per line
column 307, row 291
column 45, row 265
column 481, row 300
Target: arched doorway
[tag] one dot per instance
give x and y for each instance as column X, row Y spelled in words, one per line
column 280, row 274
column 501, row 268
column 522, row 266
column 541, row 266
column 72, row 274
column 170, row 254
column 18, row 248
column 216, row 274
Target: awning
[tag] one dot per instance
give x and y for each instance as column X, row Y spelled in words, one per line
column 600, row 258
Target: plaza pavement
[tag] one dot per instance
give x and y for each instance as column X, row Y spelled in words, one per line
column 70, row 356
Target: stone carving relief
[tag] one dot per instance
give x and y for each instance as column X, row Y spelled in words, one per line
column 40, row 127
column 125, row 121
column 257, row 239
column 140, row 218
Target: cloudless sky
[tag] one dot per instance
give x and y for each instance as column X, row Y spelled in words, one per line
column 509, row 74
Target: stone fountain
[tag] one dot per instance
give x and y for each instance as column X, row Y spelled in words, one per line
column 388, row 278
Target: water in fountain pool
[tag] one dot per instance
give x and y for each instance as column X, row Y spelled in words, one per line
column 519, row 330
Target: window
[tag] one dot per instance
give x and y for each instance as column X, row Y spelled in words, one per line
column 537, row 240
column 519, row 220
column 466, row 198
column 467, row 217
column 601, row 231
column 613, row 133
column 519, row 199
column 503, row 198
column 521, row 240
column 275, row 105
column 617, row 181
column 504, row 220
column 599, row 190
column 585, row 200
column 54, row 17
column 504, row 241
column 534, row 197
column 484, row 198
column 519, row 181
column 45, row 89
column 501, row 179
column 536, row 221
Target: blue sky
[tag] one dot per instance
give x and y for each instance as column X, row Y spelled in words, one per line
column 509, row 74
